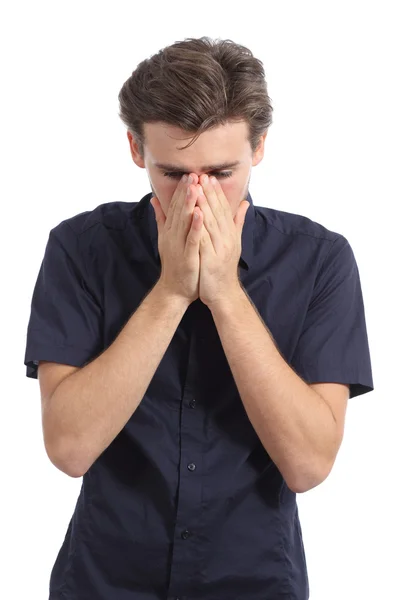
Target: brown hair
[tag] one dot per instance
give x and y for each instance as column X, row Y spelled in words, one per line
column 197, row 84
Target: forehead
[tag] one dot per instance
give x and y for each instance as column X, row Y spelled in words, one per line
column 223, row 145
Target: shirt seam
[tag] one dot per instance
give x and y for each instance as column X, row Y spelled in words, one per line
column 89, row 285
column 79, row 250
column 298, row 232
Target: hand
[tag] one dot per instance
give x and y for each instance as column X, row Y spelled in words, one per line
column 220, row 244
column 178, row 243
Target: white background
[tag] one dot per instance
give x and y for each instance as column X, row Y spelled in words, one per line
column 332, row 154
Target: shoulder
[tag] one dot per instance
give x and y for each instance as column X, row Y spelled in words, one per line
column 110, row 215
column 293, row 224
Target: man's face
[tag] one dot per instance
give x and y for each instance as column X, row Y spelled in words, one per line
column 222, row 145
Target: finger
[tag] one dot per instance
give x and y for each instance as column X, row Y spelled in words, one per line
column 177, row 201
column 187, row 204
column 211, row 228
column 189, row 208
column 202, row 202
column 193, row 239
column 158, row 212
column 211, row 194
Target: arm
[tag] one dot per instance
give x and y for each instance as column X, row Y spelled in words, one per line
column 293, row 422
column 90, row 407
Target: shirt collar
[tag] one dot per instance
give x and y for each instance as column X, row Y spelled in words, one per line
column 246, row 258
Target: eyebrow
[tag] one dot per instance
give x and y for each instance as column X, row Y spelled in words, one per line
column 179, row 169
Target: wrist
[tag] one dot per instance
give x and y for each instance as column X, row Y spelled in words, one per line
column 168, row 298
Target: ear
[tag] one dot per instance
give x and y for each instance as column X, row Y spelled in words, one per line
column 134, row 148
column 259, row 152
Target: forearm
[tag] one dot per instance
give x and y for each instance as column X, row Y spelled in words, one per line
column 90, row 407
column 294, row 423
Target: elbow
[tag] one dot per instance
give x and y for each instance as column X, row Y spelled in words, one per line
column 72, row 471
column 308, row 480
column 65, row 460
column 67, row 466
column 301, row 487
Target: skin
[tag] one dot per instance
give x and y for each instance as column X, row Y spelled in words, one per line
column 225, row 143
column 300, row 425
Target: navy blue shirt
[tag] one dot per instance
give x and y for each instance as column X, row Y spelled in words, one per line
column 186, row 502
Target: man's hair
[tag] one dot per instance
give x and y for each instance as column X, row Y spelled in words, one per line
column 196, row 85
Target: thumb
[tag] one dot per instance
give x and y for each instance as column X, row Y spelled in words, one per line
column 154, row 202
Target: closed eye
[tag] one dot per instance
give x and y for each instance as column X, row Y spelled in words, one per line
column 177, row 175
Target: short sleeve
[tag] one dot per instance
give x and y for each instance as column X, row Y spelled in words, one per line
column 65, row 324
column 333, row 345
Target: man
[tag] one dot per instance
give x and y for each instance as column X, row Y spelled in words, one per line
column 194, row 371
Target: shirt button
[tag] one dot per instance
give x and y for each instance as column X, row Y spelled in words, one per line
column 185, row 534
column 192, row 403
column 191, row 467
